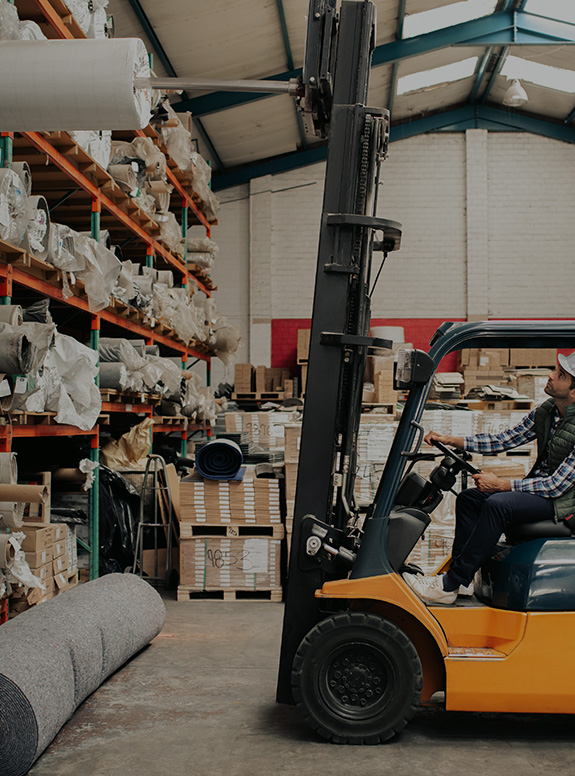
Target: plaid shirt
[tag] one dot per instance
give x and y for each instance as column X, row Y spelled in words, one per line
column 541, row 483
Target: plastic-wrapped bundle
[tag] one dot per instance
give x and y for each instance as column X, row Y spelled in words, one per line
column 145, row 202
column 28, row 30
column 143, row 149
column 12, row 207
column 227, row 340
column 165, row 276
column 11, row 514
column 172, row 305
column 96, row 143
column 55, row 655
column 99, row 22
column 17, row 351
column 126, row 177
column 72, row 369
column 161, row 191
column 36, row 239
column 121, row 349
column 81, row 11
column 171, row 232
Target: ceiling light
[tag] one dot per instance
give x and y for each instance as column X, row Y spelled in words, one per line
column 515, row 95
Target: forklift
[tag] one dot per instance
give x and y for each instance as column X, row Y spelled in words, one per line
column 360, row 652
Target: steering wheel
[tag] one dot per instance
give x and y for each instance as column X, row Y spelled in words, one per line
column 461, row 461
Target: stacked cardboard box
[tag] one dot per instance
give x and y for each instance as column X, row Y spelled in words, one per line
column 259, row 379
column 50, row 551
column 230, row 535
column 243, row 378
column 303, row 336
column 253, row 501
column 483, row 366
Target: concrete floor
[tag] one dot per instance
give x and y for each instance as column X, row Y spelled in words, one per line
column 200, row 702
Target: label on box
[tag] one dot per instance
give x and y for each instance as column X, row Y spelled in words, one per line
column 255, row 559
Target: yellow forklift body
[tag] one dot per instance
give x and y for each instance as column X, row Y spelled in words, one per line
column 495, row 660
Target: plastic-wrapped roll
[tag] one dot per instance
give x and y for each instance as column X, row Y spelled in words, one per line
column 8, row 468
column 36, row 238
column 22, row 169
column 11, row 313
column 12, row 203
column 113, row 375
column 166, row 276
column 73, row 85
column 55, row 655
column 152, row 350
column 144, row 284
column 17, row 353
column 8, row 547
column 111, row 347
column 220, row 459
column 11, row 514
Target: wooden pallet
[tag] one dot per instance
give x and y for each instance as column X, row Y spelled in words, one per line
column 260, row 396
column 114, row 396
column 190, row 593
column 199, row 530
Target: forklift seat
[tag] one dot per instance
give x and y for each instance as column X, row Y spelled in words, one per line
column 543, row 529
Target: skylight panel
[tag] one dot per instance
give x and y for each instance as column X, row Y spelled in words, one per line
column 563, row 10
column 542, row 75
column 456, row 71
column 446, row 16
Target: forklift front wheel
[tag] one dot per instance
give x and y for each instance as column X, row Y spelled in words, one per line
column 357, row 678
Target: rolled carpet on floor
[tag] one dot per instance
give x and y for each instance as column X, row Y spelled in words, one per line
column 58, row 653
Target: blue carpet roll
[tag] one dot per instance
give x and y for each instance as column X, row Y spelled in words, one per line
column 54, row 655
column 220, row 459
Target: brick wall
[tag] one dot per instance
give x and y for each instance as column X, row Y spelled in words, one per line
column 487, row 232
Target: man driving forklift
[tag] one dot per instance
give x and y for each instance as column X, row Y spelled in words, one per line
column 482, row 513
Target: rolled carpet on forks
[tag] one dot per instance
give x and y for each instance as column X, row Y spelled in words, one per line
column 53, row 656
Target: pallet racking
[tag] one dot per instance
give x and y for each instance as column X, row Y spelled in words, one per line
column 87, row 198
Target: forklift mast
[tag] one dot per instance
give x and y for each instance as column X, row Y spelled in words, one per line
column 333, row 102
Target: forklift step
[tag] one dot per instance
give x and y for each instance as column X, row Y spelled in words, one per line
column 260, row 396
column 197, row 530
column 475, row 653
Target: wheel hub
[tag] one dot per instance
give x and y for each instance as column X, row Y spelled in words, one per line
column 356, row 679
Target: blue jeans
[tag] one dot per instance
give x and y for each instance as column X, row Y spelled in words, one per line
column 481, row 518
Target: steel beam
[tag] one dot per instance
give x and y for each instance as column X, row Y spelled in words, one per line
column 395, row 69
column 289, row 57
column 506, row 28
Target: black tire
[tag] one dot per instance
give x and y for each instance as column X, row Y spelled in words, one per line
column 357, row 678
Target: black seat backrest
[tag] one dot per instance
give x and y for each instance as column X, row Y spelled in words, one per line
column 543, row 529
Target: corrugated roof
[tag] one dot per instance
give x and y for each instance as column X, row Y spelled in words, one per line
column 245, row 39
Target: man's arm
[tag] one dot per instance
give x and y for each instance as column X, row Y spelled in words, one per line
column 450, row 441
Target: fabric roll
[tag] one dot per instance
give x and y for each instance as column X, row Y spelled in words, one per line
column 111, row 347
column 22, row 169
column 113, row 375
column 36, row 239
column 52, row 85
column 11, row 516
column 11, row 313
column 56, row 654
column 220, row 459
column 6, row 393
column 166, row 276
column 8, row 547
column 17, row 353
column 152, row 350
column 8, row 468
column 145, row 284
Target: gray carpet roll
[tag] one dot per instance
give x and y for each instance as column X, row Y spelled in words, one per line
column 16, row 353
column 58, row 653
column 11, row 313
column 113, row 375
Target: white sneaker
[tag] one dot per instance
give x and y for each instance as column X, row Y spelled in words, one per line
column 467, row 590
column 430, row 589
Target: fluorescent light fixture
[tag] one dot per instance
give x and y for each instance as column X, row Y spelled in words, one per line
column 515, row 95
column 446, row 16
column 543, row 75
column 563, row 10
column 456, row 71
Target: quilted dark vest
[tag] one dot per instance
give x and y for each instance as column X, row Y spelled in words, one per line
column 560, row 447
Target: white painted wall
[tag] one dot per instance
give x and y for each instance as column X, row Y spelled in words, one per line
column 488, row 222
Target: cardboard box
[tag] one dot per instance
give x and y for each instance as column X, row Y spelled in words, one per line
column 368, row 394
column 291, row 480
column 260, row 373
column 248, row 563
column 60, row 565
column 243, row 378
column 40, row 558
column 528, row 357
column 303, row 378
column 234, row 422
column 383, row 384
column 38, row 537
column 292, row 437
column 254, row 501
column 303, row 337
column 58, row 548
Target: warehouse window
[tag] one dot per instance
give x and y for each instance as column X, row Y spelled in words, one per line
column 437, row 76
column 446, row 16
column 554, row 9
column 542, row 75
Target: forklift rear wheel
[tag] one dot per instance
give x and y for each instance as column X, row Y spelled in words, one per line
column 357, row 678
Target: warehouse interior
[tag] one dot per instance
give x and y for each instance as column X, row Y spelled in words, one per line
column 223, row 301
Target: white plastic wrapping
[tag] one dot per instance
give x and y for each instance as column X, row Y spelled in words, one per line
column 172, row 305
column 12, row 207
column 36, row 237
column 9, row 21
column 171, row 232
column 28, row 30
column 74, row 395
column 73, row 85
column 97, row 143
